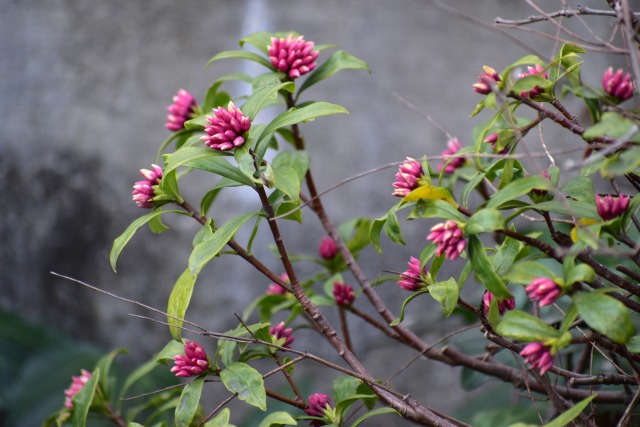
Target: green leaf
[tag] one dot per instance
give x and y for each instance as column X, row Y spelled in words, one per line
column 140, row 372
column 298, row 160
column 179, row 302
column 168, row 351
column 528, row 83
column 484, row 221
column 580, row 188
column 221, row 420
column 220, row 166
column 344, row 387
column 378, row 411
column 104, row 364
column 262, row 40
column 247, row 382
column 605, row 314
column 613, row 125
column 517, row 189
column 633, row 345
column 524, row 272
column 446, row 293
column 206, row 250
column 188, row 404
column 571, row 413
column 579, row 273
column 287, row 180
column 252, row 107
column 121, row 241
column 241, row 54
column 569, row 207
column 506, row 255
column 392, row 228
column 438, row 209
column 484, row 269
column 622, row 163
column 525, row 327
column 278, row 419
column 374, row 233
column 83, row 399
column 400, row 318
column 338, row 61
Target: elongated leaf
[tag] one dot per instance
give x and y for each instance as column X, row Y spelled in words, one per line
column 527, row 83
column 517, row 189
column 506, row 255
column 580, row 188
column 241, row 54
column 104, row 364
column 378, row 411
column 524, row 272
column 262, row 40
column 446, row 293
column 179, row 302
column 278, row 419
column 400, row 318
column 188, row 404
column 525, row 327
column 247, row 382
column 337, row 62
column 121, row 241
column 439, row 209
column 579, row 273
column 209, row 248
column 188, row 154
column 221, row 420
column 298, row 160
column 571, row 413
column 605, row 314
column 569, row 207
column 287, row 180
column 429, row 192
column 220, row 166
column 82, row 400
column 484, row 221
column 374, row 233
column 392, row 228
column 484, row 269
column 254, row 104
column 140, row 372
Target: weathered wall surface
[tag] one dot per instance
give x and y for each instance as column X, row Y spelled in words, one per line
column 82, row 95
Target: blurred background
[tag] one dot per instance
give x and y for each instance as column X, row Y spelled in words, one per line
column 83, row 91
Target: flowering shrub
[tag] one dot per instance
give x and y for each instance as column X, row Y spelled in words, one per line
column 507, row 231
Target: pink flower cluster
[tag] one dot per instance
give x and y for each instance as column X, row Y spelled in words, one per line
column 180, row 111
column 504, row 305
column 226, row 128
column 411, row 279
column 608, row 208
column 449, row 238
column 281, row 334
column 544, row 290
column 536, row 69
column 194, row 361
column 343, row 294
column 486, row 81
column 318, row 404
column 618, row 84
column 538, row 355
column 143, row 192
column 276, row 289
column 293, row 55
column 451, row 163
column 407, row 178
column 76, row 385
column 327, row 248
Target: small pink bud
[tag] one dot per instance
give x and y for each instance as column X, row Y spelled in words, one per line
column 536, row 69
column 284, row 337
column 180, row 111
column 608, row 208
column 276, row 289
column 143, row 192
column 538, row 355
column 544, row 290
column 293, row 56
column 453, row 163
column 449, row 238
column 226, row 128
column 407, row 178
column 76, row 385
column 327, row 248
column 343, row 294
column 194, row 362
column 618, row 84
column 486, row 80
column 411, row 279
column 504, row 305
column 319, row 404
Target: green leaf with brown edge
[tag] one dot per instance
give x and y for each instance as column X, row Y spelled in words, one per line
column 517, row 189
column 484, row 268
column 338, row 61
column 241, row 378
column 605, row 314
column 83, row 399
column 188, row 403
column 484, row 221
column 522, row 326
column 179, row 302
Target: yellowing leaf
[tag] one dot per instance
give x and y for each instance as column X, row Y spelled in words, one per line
column 429, row 192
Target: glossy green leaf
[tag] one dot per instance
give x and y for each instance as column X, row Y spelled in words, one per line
column 179, row 302
column 522, row 326
column 378, row 411
column 439, row 209
column 484, row 221
column 220, row 166
column 572, row 413
column 622, row 163
column 254, row 104
column 165, row 355
column 605, row 314
column 277, row 419
column 580, row 188
column 121, row 241
column 206, row 250
column 484, row 268
column 337, row 62
column 221, row 420
column 517, row 189
column 188, row 404
column 524, row 272
column 185, row 155
column 446, row 293
column 392, row 228
column 298, row 160
column 506, row 255
column 287, row 181
column 197, row 124
column 83, row 399
column 241, row 54
column 528, row 83
column 374, row 233
column 247, row 382
column 579, row 273
column 344, row 386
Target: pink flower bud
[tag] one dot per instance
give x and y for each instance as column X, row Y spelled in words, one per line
column 180, row 111
column 407, row 178
column 544, row 290
column 608, row 208
column 284, row 337
column 76, row 385
column 292, row 56
column 411, row 279
column 618, row 84
column 226, row 128
column 486, row 81
column 319, row 404
column 343, row 294
column 538, row 355
column 276, row 289
column 449, row 238
column 536, row 69
column 327, row 248
column 194, row 361
column 452, row 163
column 143, row 192
column 504, row 305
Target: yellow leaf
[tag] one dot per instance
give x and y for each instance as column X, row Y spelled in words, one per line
column 429, row 192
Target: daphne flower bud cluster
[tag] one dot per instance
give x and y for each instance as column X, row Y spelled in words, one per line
column 504, row 305
column 180, row 111
column 407, row 178
column 486, row 81
column 143, row 191
column 276, row 289
column 194, row 361
column 451, row 163
column 618, row 84
column 411, row 279
column 610, row 208
column 536, row 69
column 319, row 405
column 77, row 382
column 449, row 238
column 343, row 294
column 544, row 290
column 327, row 248
column 226, row 128
column 284, row 336
column 293, row 56
column 538, row 356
